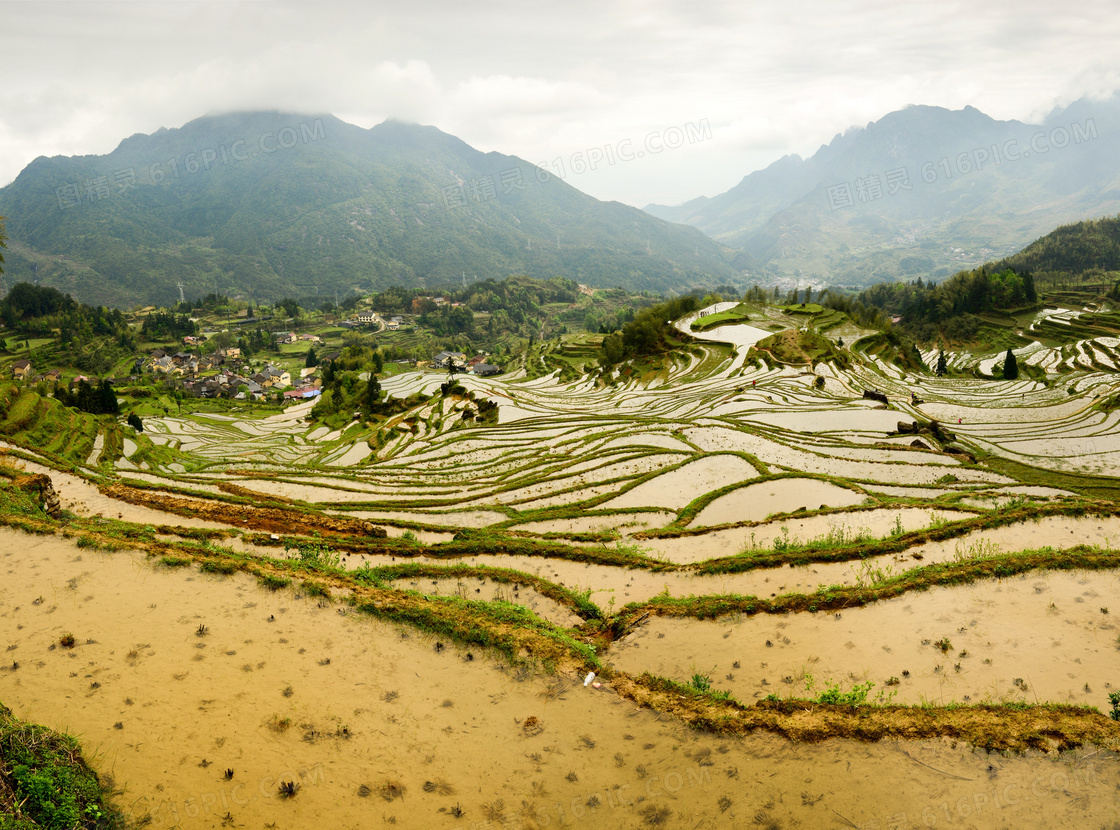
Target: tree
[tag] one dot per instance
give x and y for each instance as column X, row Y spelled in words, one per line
column 942, row 364
column 373, row 392
column 135, row 422
column 312, row 361
column 1010, row 366
column 3, row 244
column 106, row 402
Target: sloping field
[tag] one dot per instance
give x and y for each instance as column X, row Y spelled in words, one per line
column 733, row 546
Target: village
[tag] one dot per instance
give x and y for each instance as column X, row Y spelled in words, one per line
column 225, row 372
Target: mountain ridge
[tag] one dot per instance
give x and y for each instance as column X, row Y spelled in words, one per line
column 965, row 189
column 271, row 204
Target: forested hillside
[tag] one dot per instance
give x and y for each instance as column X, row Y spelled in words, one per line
column 261, row 206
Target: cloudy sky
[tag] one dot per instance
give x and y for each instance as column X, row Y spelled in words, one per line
column 735, row 84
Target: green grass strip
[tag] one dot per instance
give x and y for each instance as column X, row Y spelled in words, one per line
column 577, row 602
column 837, row 597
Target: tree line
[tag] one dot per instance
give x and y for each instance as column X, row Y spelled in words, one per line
column 647, row 333
column 949, row 310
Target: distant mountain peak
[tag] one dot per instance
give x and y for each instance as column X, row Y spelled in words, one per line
column 924, row 190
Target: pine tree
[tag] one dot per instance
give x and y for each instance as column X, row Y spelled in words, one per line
column 1010, row 366
column 106, row 403
column 916, row 355
column 942, row 364
column 373, row 392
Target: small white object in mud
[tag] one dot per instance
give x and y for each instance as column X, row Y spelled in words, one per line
column 596, row 685
column 587, row 680
column 274, row 536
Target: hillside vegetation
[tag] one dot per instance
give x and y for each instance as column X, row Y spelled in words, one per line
column 221, row 205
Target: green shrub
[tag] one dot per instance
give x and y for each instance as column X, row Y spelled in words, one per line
column 47, row 781
column 217, row 567
column 700, row 682
column 316, row 555
column 273, row 582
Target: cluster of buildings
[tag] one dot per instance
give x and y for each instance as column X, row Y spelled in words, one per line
column 458, row 362
column 418, row 303
column 224, row 374
column 367, row 319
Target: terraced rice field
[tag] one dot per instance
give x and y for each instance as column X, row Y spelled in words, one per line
column 728, row 526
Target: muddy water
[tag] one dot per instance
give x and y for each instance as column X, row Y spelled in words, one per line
column 625, row 522
column 476, row 518
column 612, row 588
column 1039, row 637
column 677, row 488
column 754, row 503
column 167, row 712
column 874, row 523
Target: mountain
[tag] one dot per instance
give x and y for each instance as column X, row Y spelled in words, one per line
column 265, row 205
column 924, row 191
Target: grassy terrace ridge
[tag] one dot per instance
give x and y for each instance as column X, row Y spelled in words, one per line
column 836, row 597
column 45, row 782
column 1096, row 487
column 241, row 511
column 994, row 727
column 797, row 347
column 358, row 535
column 577, row 602
column 738, row 314
column 829, row 549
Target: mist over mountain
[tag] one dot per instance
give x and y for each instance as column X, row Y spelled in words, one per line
column 265, row 205
column 924, row 191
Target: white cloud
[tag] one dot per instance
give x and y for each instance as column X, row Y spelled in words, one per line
column 769, row 78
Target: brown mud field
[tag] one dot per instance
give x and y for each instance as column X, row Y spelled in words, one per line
column 200, row 695
column 1037, row 637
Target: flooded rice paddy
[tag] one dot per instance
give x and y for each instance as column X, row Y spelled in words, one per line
column 1037, row 637
column 177, row 676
